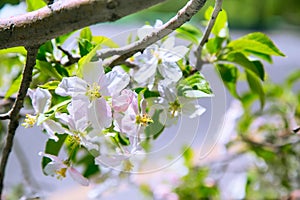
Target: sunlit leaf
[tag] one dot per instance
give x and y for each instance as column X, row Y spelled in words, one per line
column 220, row 23
column 229, row 75
column 14, row 87
column 189, row 32
column 255, row 66
column 51, row 85
column 194, row 86
column 35, row 4
column 255, row 42
column 20, row 50
column 154, row 129
column 256, row 86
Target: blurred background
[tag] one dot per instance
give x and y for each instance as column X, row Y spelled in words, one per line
column 278, row 19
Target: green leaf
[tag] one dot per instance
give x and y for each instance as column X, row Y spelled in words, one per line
column 14, row 87
column 61, row 39
column 195, row 86
column 90, row 168
column 256, row 86
column 255, row 66
column 47, row 69
column 214, row 45
column 189, row 32
column 154, row 129
column 61, row 70
column 104, row 41
column 229, row 75
column 85, row 59
column 20, row 50
column 58, row 106
column 255, row 42
column 51, row 85
column 85, row 46
column 35, row 4
column 53, row 148
column 46, row 48
column 221, row 21
column 86, row 34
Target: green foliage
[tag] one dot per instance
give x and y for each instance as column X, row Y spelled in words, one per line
column 194, row 86
column 189, row 33
column 34, row 4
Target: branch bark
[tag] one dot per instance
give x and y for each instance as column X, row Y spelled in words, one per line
column 14, row 113
column 211, row 23
column 184, row 15
column 63, row 17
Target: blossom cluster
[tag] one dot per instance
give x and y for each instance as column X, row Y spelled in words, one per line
column 107, row 113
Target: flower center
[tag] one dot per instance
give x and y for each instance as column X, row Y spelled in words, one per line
column 61, row 173
column 144, row 119
column 93, row 91
column 174, row 108
column 29, row 121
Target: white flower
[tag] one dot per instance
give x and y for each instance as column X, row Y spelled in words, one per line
column 158, row 62
column 58, row 168
column 77, row 121
column 94, row 89
column 175, row 106
column 41, row 101
column 95, row 83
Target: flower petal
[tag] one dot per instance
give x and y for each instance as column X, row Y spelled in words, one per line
column 71, row 86
column 170, row 70
column 110, row 160
column 117, row 81
column 77, row 176
column 92, row 72
column 41, row 99
column 99, row 114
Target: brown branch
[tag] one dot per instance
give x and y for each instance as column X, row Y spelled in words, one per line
column 63, row 17
column 71, row 59
column 14, row 113
column 184, row 15
column 211, row 23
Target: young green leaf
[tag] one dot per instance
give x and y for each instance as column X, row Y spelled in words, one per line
column 51, row 85
column 255, row 66
column 14, row 87
column 255, row 42
column 229, row 74
column 194, row 86
column 220, row 24
column 189, row 32
column 156, row 128
column 35, row 4
column 86, row 34
column 256, row 86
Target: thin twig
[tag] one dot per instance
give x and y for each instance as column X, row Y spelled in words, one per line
column 14, row 114
column 184, row 15
column 211, row 23
column 71, row 59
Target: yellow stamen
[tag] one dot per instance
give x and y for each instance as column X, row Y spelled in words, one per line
column 93, row 91
column 174, row 108
column 29, row 121
column 143, row 119
column 61, row 173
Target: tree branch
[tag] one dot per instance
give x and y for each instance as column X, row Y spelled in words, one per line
column 63, row 17
column 14, row 113
column 184, row 15
column 211, row 23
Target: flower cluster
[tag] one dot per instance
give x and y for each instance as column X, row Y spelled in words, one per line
column 107, row 113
